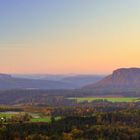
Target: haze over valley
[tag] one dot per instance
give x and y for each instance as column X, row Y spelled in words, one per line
column 46, row 81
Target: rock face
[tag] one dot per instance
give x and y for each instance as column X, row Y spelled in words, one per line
column 121, row 78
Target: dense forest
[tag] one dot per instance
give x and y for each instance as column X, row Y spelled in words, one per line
column 94, row 120
column 115, row 125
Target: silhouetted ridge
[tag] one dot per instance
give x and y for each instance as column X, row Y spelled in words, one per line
column 5, row 75
column 10, row 82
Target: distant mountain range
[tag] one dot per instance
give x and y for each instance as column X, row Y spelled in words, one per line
column 10, row 82
column 46, row 81
column 52, row 77
column 124, row 78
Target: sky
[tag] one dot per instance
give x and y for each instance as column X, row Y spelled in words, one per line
column 69, row 36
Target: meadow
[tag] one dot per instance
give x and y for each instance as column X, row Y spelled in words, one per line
column 35, row 117
column 7, row 115
column 45, row 119
column 111, row 99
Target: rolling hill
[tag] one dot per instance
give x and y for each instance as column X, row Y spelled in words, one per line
column 82, row 80
column 10, row 82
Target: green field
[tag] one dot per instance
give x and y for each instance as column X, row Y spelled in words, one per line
column 45, row 119
column 5, row 115
column 36, row 117
column 115, row 99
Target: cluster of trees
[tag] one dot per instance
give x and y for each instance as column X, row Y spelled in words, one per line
column 116, row 125
column 5, row 108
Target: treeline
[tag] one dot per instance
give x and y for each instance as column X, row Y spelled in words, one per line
column 4, row 108
column 41, row 98
column 52, row 97
column 117, row 125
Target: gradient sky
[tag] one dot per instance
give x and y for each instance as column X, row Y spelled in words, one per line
column 69, row 36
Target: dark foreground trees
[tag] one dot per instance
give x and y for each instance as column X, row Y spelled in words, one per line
column 118, row 125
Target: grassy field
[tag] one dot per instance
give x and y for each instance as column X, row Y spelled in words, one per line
column 5, row 115
column 115, row 99
column 36, row 117
column 46, row 119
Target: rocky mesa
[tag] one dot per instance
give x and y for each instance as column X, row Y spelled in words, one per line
column 120, row 78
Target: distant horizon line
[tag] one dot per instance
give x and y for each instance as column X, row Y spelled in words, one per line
column 69, row 73
column 72, row 74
